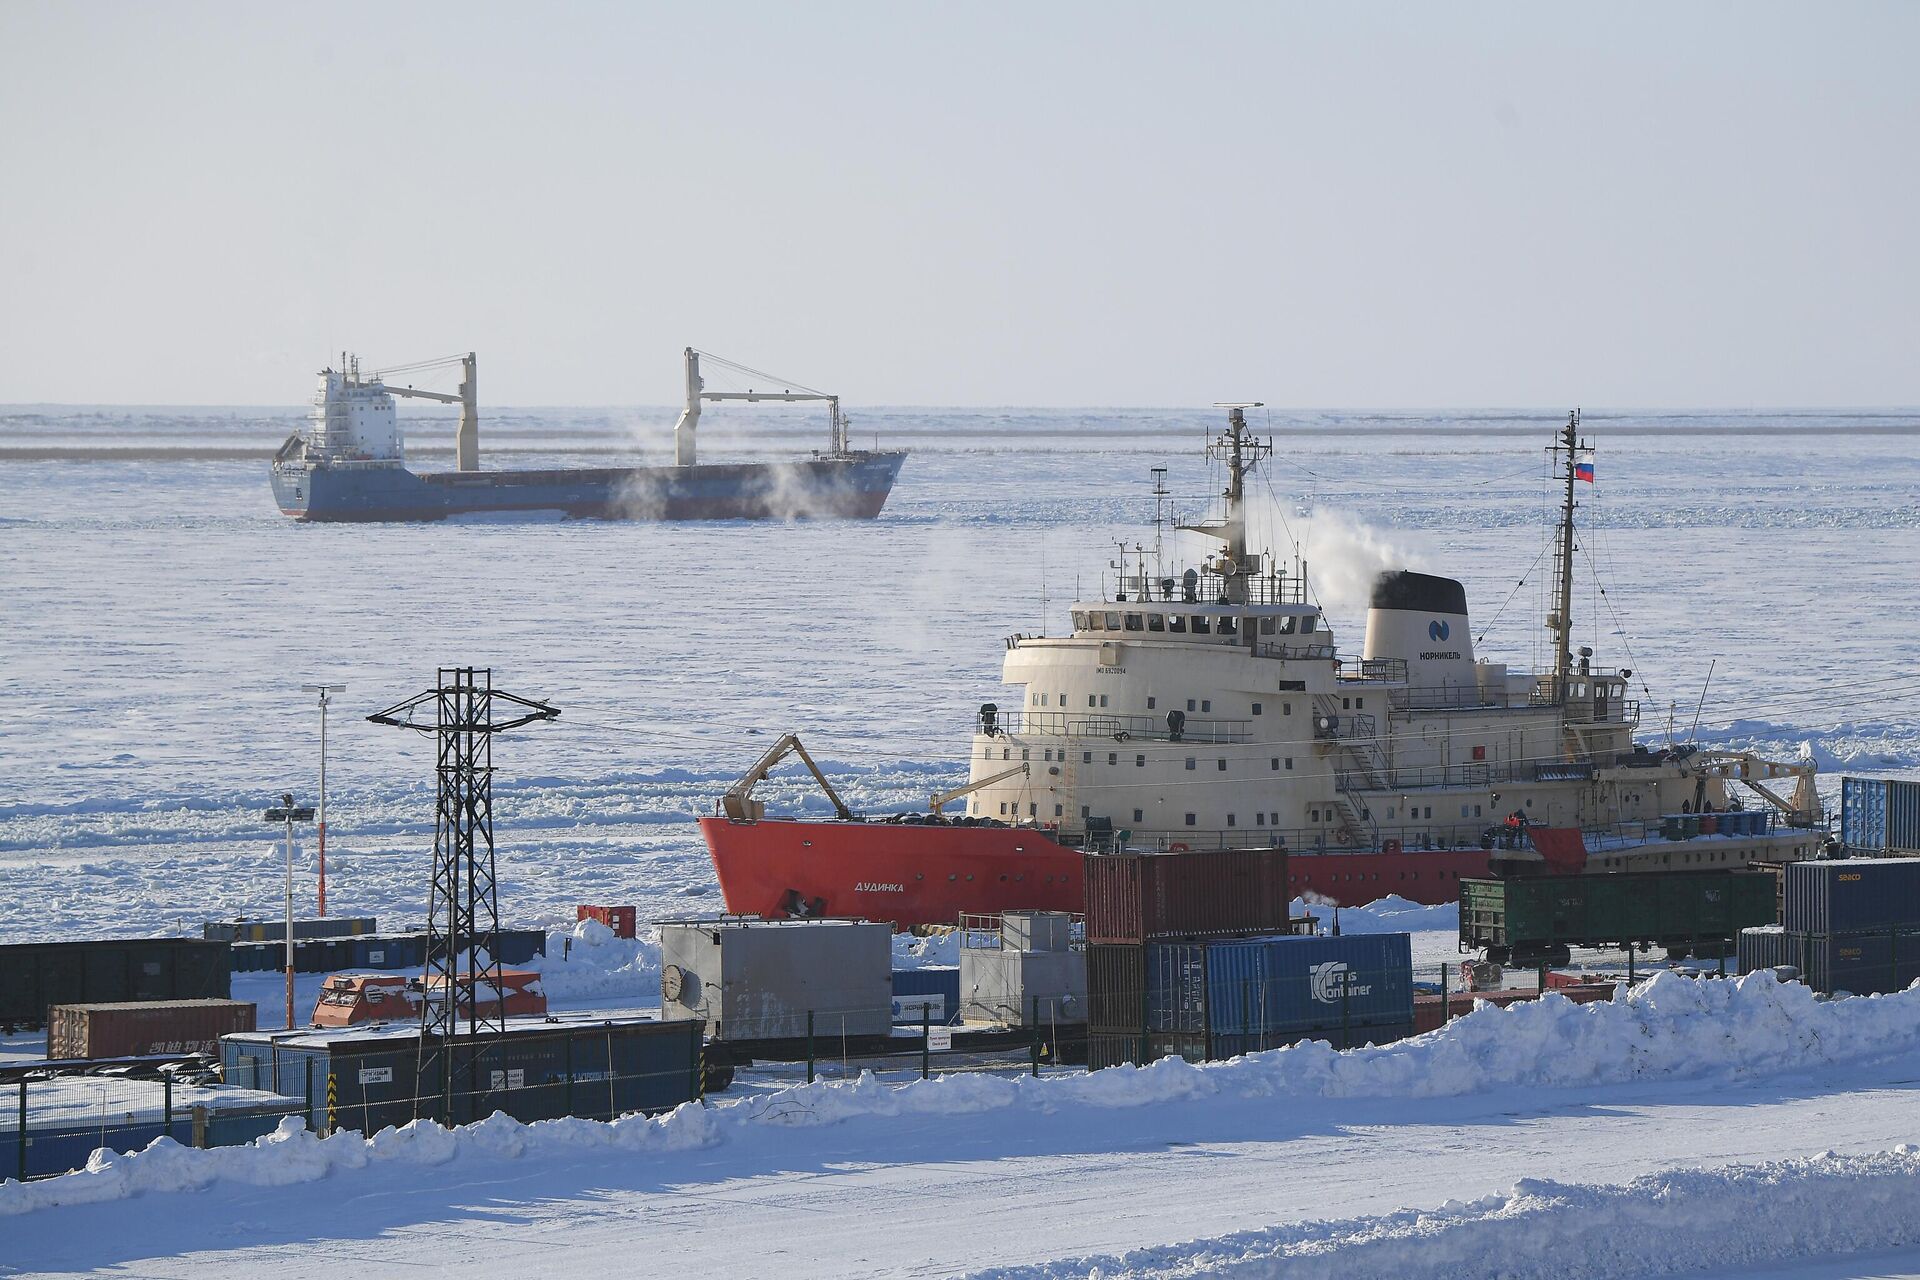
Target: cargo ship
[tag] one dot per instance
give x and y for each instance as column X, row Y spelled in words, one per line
column 1210, row 706
column 350, row 464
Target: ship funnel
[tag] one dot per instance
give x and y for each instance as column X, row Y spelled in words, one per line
column 1422, row 620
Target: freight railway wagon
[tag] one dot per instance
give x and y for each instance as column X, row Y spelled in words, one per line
column 35, row 976
column 593, row 1068
column 1538, row 919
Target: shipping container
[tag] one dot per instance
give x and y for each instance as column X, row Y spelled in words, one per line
column 1763, row 948
column 1880, row 815
column 624, row 921
column 576, row 1065
column 142, row 1028
column 371, row 951
column 934, row 988
column 1280, row 987
column 68, row 1118
column 1138, row 897
column 1036, row 930
column 1849, row 895
column 1857, row 963
column 1523, row 917
column 34, row 976
column 1117, row 987
column 999, row 984
column 276, row 930
column 759, row 979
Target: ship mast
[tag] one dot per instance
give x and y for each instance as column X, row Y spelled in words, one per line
column 1240, row 451
column 1560, row 621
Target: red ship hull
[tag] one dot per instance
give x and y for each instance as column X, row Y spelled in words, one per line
column 920, row 875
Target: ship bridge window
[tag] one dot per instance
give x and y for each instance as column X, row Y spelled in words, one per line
column 1202, row 625
column 1113, row 622
column 1256, row 708
column 1266, row 626
column 1228, row 626
column 1156, row 622
column 1093, row 621
column 1134, row 622
column 1079, row 619
column 1287, row 624
column 1306, row 625
column 1177, row 622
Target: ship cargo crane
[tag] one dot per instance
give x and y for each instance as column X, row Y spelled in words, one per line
column 738, row 802
column 941, row 799
column 684, row 452
column 466, row 443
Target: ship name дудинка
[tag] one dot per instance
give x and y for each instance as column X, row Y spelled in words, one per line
column 1212, row 708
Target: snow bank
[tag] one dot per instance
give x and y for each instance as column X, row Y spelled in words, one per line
column 1667, row 1027
column 587, row 963
column 1681, row 1221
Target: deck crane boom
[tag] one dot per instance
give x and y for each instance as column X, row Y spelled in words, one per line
column 941, row 799
column 684, row 452
column 738, row 802
column 467, row 442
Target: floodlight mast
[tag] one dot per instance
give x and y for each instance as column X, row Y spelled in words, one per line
column 289, row 813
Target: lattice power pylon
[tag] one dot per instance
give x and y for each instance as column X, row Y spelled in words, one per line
column 463, row 971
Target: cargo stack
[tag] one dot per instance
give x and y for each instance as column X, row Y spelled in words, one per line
column 1848, row 925
column 1192, row 954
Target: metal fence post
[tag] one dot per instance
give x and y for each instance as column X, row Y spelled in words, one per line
column 309, row 1115
column 1346, row 1010
column 1893, row 958
column 1629, row 964
column 166, row 1102
column 23, row 1130
column 1034, row 1039
column 809, row 1046
column 926, row 1038
column 1446, row 1000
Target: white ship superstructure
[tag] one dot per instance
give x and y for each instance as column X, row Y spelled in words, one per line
column 1214, row 707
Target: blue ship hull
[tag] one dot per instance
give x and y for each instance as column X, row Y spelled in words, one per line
column 853, row 485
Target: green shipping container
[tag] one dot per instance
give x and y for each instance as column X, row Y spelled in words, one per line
column 1523, row 915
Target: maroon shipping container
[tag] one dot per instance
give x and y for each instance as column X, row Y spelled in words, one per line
column 143, row 1027
column 1215, row 893
column 622, row 920
column 1116, row 986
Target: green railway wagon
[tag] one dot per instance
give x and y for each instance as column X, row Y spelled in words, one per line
column 1531, row 918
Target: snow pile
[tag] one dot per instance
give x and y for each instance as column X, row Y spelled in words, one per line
column 587, row 963
column 1680, row 1221
column 1667, row 1027
column 1391, row 914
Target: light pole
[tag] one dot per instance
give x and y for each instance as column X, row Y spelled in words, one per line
column 321, row 826
column 288, row 814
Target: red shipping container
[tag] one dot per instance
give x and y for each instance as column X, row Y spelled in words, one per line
column 619, row 919
column 142, row 1028
column 1215, row 893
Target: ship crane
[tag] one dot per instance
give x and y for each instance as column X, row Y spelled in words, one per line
column 684, row 452
column 466, row 446
column 942, row 799
column 738, row 802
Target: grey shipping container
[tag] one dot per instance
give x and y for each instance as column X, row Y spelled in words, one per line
column 1851, row 895
column 143, row 1028
column 586, row 1067
column 998, row 984
column 1859, row 963
column 34, row 976
column 1763, row 948
column 1880, row 815
column 759, row 979
column 276, row 930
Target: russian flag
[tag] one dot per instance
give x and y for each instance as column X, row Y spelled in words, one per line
column 1583, row 465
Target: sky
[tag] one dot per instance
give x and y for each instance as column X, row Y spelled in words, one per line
column 1388, row 205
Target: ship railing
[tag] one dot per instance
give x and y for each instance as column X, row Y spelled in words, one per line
column 1474, row 774
column 1119, row 728
column 1296, row 652
column 1373, row 671
column 986, row 930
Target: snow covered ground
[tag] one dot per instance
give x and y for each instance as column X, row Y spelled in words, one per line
column 1707, row 1125
column 159, row 616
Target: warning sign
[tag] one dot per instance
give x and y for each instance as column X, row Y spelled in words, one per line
column 939, row 1039
column 376, row 1075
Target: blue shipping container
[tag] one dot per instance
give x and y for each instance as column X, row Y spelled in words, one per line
column 1282, row 985
column 935, row 988
column 1852, row 895
column 1880, row 815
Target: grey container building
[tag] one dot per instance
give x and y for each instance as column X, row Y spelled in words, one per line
column 760, row 979
column 999, row 984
